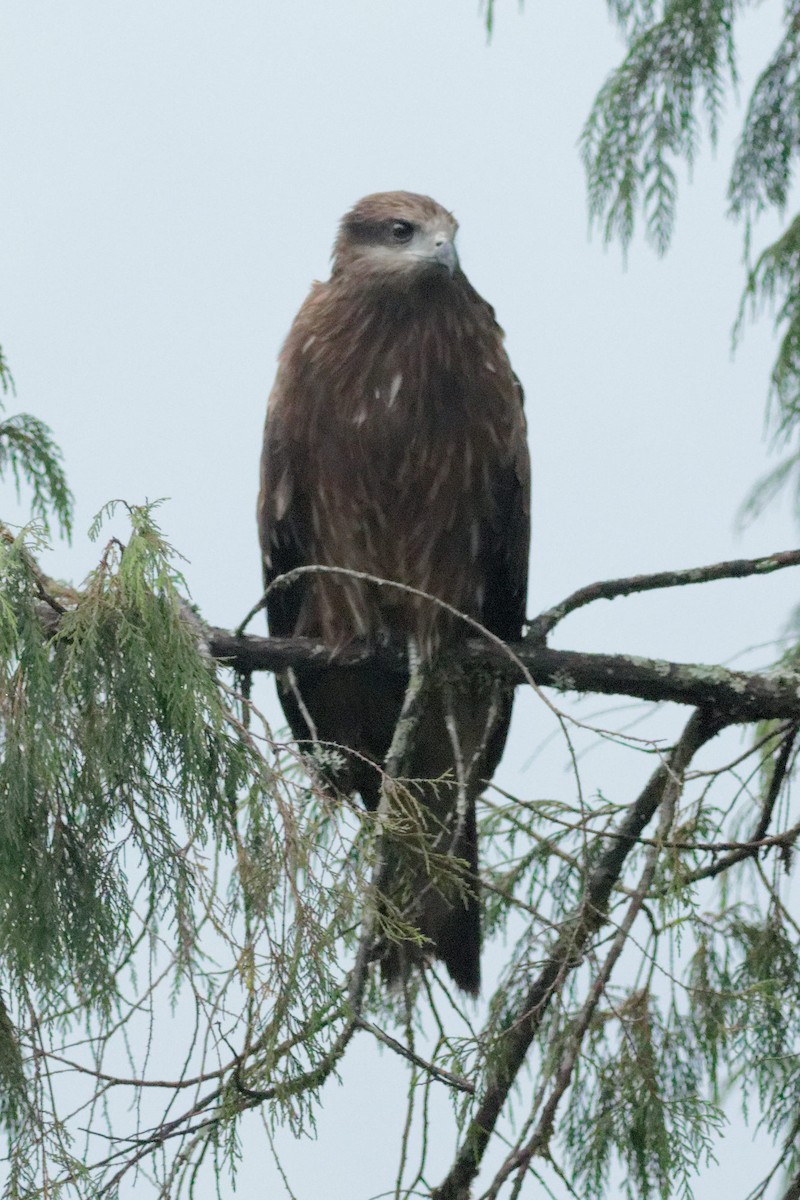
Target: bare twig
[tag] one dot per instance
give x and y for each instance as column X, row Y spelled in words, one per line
column 519, row 1160
column 609, row 589
column 523, row 1023
column 758, row 840
column 455, row 1081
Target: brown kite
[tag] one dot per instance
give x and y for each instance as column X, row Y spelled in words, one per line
column 395, row 445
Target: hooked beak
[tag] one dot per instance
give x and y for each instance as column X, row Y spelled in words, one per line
column 445, row 255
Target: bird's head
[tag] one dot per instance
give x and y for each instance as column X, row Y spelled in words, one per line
column 397, row 238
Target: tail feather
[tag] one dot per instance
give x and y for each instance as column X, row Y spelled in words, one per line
column 430, row 882
column 435, row 892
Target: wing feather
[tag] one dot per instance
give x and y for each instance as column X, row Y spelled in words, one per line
column 506, row 578
column 283, row 518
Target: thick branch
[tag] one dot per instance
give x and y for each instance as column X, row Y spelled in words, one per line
column 520, row 1158
column 740, row 695
column 522, row 1025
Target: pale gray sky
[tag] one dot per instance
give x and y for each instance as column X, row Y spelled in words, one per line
column 172, row 178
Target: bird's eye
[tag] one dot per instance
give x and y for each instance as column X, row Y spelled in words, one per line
column 402, row 231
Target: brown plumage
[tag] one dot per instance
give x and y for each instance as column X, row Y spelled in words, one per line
column 395, row 445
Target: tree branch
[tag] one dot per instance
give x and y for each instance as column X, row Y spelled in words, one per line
column 522, row 1025
column 758, row 839
column 737, row 568
column 431, row 1069
column 740, row 695
column 520, row 1158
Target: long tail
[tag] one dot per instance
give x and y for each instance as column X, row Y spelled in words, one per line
column 431, row 891
column 431, row 846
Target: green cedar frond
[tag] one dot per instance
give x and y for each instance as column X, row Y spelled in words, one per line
column 644, row 118
column 28, row 450
column 125, row 768
column 632, row 15
column 770, row 486
column 638, row 1100
column 6, row 378
column 770, row 139
column 115, row 723
column 775, row 280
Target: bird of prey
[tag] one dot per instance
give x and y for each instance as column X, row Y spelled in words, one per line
column 395, row 445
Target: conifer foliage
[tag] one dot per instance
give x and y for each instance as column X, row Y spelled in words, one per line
column 188, row 920
column 144, row 831
column 172, row 877
column 677, row 78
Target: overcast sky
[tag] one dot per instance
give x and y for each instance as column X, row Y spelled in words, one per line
column 172, row 176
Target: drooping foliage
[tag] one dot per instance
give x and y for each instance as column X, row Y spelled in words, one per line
column 145, row 829
column 645, row 118
column 28, row 452
column 678, row 77
column 181, row 908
